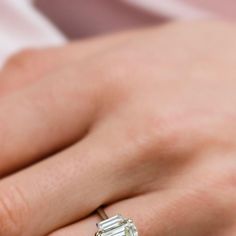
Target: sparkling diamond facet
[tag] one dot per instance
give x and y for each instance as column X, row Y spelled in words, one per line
column 117, row 226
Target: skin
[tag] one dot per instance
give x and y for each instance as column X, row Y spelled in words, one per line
column 142, row 122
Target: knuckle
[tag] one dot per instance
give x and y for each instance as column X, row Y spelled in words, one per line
column 226, row 185
column 153, row 136
column 23, row 59
column 202, row 197
column 230, row 178
column 13, row 212
column 214, row 197
column 225, row 179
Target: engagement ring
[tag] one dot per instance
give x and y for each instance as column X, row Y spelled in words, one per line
column 115, row 226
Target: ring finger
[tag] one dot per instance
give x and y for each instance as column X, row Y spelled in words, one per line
column 170, row 212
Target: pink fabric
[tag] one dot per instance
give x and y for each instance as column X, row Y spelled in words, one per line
column 81, row 18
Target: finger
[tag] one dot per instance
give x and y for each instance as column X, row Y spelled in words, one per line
column 62, row 189
column 44, row 118
column 28, row 66
column 85, row 227
column 178, row 212
column 229, row 232
column 169, row 212
column 73, row 183
column 31, row 65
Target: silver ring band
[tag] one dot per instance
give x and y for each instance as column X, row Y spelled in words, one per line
column 102, row 213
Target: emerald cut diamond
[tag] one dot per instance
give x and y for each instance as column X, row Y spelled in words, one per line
column 117, row 226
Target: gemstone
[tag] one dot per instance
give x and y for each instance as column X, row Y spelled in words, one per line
column 117, row 226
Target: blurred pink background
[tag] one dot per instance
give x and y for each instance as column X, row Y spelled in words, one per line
column 43, row 23
column 80, row 18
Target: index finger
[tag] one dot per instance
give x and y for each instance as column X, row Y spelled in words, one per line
column 30, row 65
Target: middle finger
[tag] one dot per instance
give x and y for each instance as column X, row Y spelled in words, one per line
column 62, row 189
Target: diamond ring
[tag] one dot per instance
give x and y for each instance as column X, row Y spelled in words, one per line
column 115, row 226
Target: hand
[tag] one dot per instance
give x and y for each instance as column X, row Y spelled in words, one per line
column 143, row 122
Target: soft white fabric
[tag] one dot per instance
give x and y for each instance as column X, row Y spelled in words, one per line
column 174, row 9
column 21, row 26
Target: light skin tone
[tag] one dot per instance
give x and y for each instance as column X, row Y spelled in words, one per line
column 142, row 122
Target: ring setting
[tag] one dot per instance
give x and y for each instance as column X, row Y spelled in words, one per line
column 116, row 226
